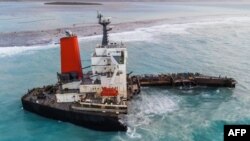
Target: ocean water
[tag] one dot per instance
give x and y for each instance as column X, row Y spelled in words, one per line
column 213, row 45
column 33, row 16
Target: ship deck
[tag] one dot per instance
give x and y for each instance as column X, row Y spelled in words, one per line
column 107, row 117
column 183, row 79
column 46, row 96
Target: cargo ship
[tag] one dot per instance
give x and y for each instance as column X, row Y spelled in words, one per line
column 99, row 98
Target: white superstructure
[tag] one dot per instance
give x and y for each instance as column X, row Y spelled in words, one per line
column 109, row 66
column 106, row 84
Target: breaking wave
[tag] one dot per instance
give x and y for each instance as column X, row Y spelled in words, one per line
column 15, row 50
column 144, row 108
column 149, row 34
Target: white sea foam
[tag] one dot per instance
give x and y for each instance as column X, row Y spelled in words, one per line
column 150, row 33
column 218, row 91
column 88, row 38
column 140, row 34
column 156, row 104
column 143, row 110
column 131, row 132
column 10, row 51
column 147, row 106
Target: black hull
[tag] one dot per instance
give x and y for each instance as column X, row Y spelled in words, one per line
column 95, row 121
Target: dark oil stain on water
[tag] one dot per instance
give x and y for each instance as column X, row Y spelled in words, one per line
column 215, row 47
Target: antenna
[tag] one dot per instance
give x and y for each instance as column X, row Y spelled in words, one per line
column 104, row 22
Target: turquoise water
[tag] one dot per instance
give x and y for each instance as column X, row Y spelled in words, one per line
column 33, row 16
column 216, row 45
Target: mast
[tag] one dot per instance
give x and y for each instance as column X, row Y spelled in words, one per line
column 104, row 23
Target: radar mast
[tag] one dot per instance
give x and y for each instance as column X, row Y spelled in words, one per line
column 104, row 22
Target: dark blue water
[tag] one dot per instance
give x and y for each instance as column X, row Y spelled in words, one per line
column 215, row 46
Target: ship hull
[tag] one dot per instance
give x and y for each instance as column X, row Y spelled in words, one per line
column 95, row 121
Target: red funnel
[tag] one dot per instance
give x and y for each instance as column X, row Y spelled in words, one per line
column 70, row 56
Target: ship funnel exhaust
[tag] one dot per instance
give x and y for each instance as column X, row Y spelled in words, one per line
column 70, row 56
